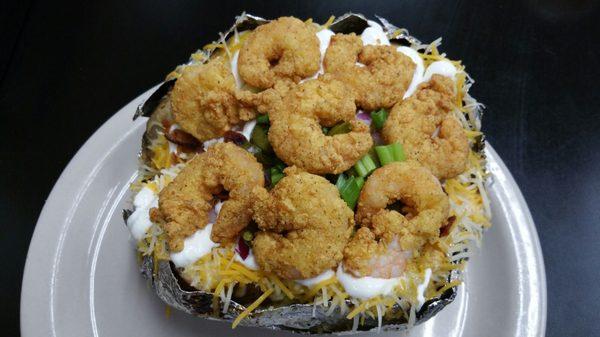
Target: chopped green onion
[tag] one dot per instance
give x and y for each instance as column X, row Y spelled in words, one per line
column 379, row 117
column 267, row 159
column 390, row 153
column 247, row 236
column 276, row 175
column 279, row 165
column 341, row 180
column 365, row 166
column 398, row 152
column 260, row 138
column 325, row 130
column 350, row 190
column 262, row 119
column 373, row 154
column 340, row 129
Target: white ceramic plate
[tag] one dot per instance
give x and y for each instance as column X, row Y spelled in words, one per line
column 81, row 276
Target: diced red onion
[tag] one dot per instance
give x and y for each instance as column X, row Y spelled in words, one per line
column 377, row 140
column 235, row 137
column 365, row 117
column 242, row 248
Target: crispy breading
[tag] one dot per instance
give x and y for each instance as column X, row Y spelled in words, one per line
column 304, row 226
column 388, row 232
column 415, row 122
column 185, row 203
column 286, row 48
column 203, row 100
column 296, row 134
column 381, row 77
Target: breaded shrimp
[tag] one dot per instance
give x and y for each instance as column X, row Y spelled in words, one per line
column 185, row 203
column 414, row 124
column 304, row 226
column 365, row 255
column 267, row 101
column 203, row 100
column 283, row 49
column 386, row 232
column 381, row 78
column 296, row 134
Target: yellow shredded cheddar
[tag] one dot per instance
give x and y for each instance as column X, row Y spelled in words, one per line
column 218, row 272
column 251, row 308
column 328, row 23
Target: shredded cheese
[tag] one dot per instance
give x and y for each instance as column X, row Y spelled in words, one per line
column 251, row 308
column 219, row 273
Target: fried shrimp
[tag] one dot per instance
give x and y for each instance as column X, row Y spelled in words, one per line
column 284, row 49
column 389, row 238
column 304, row 226
column 185, row 203
column 204, row 102
column 415, row 122
column 296, row 134
column 381, row 76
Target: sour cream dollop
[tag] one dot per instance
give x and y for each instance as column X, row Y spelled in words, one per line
column 248, row 128
column 310, row 282
column 444, row 68
column 365, row 287
column 249, row 262
column 419, row 69
column 198, row 244
column 194, row 247
column 374, row 35
column 139, row 221
column 234, row 69
column 422, row 287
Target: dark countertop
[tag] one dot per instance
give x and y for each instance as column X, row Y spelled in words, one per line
column 65, row 68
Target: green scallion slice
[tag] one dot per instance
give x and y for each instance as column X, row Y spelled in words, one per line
column 350, row 190
column 260, row 138
column 379, row 117
column 365, row 166
column 390, row 153
column 276, row 175
column 341, row 181
column 262, row 119
column 247, row 236
column 340, row 129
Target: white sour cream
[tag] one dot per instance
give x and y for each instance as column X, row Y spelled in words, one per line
column 139, row 221
column 419, row 69
column 310, row 282
column 365, row 287
column 374, row 35
column 199, row 243
column 234, row 69
column 249, row 262
column 247, row 129
column 212, row 142
column 444, row 68
column 422, row 287
column 324, row 37
column 194, row 247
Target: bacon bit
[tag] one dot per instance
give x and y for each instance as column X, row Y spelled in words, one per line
column 242, row 248
column 166, row 124
column 187, row 149
column 222, row 196
column 235, row 137
column 445, row 229
column 181, row 137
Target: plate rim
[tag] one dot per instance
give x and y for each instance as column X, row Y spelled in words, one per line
column 49, row 234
